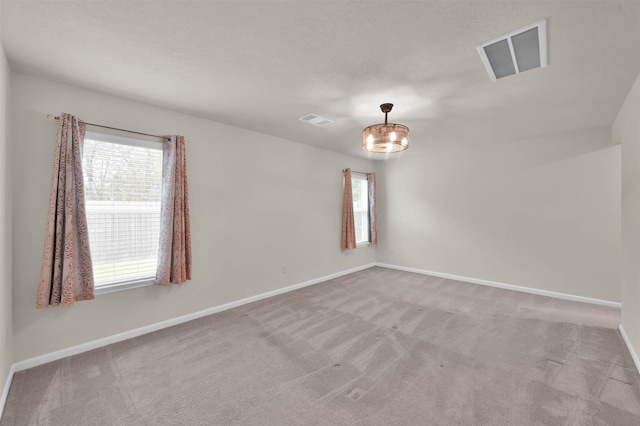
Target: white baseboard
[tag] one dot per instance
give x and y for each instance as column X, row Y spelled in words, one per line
column 94, row 344
column 505, row 286
column 632, row 351
column 5, row 390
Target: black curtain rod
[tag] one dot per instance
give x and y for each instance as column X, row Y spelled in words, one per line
column 115, row 128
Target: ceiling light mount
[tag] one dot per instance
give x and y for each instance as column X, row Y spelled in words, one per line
column 386, row 108
column 387, row 137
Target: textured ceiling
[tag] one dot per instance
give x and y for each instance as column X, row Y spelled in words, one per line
column 261, row 65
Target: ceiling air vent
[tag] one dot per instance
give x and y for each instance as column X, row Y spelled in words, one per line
column 520, row 50
column 315, row 119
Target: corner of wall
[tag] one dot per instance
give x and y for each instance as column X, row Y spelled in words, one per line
column 626, row 127
column 6, row 325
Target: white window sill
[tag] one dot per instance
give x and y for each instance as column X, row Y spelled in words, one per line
column 367, row 244
column 124, row 285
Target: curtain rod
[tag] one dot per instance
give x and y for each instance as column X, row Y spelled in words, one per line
column 55, row 117
column 355, row 171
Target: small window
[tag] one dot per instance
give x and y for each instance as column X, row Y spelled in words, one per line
column 123, row 185
column 360, row 193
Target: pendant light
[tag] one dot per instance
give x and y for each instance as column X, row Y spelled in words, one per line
column 387, row 137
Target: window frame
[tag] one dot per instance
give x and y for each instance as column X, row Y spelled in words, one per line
column 141, row 142
column 362, row 177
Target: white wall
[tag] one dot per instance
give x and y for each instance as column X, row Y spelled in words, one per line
column 626, row 129
column 5, row 227
column 257, row 202
column 541, row 213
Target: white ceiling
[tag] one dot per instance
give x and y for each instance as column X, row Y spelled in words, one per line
column 261, row 65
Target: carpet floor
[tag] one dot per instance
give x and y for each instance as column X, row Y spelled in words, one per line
column 377, row 347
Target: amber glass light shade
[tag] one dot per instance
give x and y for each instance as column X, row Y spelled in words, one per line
column 386, row 137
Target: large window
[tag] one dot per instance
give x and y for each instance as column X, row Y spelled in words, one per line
column 360, row 193
column 123, row 184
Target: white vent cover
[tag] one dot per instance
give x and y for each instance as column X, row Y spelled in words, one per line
column 520, row 50
column 315, row 119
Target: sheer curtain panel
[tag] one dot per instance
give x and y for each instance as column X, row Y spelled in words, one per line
column 174, row 251
column 66, row 275
column 348, row 240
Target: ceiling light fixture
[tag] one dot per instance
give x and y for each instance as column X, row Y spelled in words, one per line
column 387, row 137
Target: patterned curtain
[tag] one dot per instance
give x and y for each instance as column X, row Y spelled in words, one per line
column 373, row 211
column 174, row 252
column 348, row 240
column 66, row 275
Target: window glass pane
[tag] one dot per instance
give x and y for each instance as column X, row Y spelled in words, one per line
column 360, row 193
column 123, row 185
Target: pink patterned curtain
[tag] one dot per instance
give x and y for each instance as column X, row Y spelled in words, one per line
column 174, row 252
column 348, row 240
column 373, row 211
column 66, row 275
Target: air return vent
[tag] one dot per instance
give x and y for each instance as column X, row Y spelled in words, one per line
column 520, row 50
column 315, row 119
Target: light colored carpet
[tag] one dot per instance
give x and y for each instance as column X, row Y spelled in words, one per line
column 378, row 347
